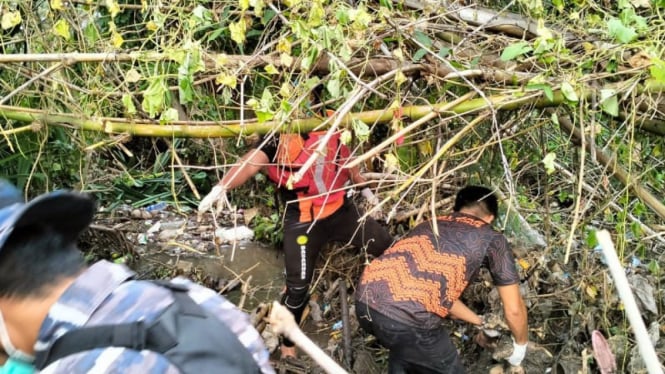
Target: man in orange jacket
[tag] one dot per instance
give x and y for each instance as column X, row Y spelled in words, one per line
column 317, row 207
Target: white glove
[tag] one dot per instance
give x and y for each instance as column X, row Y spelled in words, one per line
column 519, row 351
column 372, row 202
column 369, row 196
column 216, row 196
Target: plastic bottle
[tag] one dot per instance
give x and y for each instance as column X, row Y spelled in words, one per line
column 156, row 207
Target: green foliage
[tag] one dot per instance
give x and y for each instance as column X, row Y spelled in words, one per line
column 515, row 50
column 269, row 229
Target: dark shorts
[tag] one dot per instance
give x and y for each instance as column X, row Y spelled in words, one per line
column 412, row 350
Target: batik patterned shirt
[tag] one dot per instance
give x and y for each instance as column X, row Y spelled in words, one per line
column 105, row 294
column 418, row 279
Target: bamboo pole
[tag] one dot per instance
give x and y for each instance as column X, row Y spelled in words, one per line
column 212, row 129
column 632, row 311
column 208, row 130
column 284, row 323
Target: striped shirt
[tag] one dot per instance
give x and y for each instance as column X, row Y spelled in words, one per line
column 105, row 294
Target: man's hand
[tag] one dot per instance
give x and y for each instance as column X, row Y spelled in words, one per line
column 519, row 351
column 485, row 341
column 372, row 202
column 216, row 196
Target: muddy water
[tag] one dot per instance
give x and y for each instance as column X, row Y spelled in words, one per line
column 265, row 266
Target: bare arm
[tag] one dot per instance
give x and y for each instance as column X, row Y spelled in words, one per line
column 248, row 165
column 356, row 176
column 515, row 312
column 460, row 311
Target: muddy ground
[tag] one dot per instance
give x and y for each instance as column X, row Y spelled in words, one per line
column 566, row 303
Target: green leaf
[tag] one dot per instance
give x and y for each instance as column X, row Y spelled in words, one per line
column 333, row 88
column 168, row 116
column 386, row 3
column 558, row 4
column 548, row 161
column 361, row 130
column 620, row 32
column 238, row 30
column 569, row 92
column 515, row 50
column 10, row 19
column 61, row 28
column 271, row 69
column 654, row 267
column 91, row 34
column 258, row 6
column 343, row 17
column 609, row 102
column 155, row 96
column 546, row 88
column 419, row 54
column 591, row 240
column 422, row 39
column 657, row 69
column 444, row 52
column 128, row 103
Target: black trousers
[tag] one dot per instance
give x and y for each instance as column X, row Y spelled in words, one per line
column 412, row 350
column 303, row 243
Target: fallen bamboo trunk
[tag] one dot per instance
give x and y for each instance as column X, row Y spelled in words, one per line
column 632, row 311
column 284, row 323
column 211, row 129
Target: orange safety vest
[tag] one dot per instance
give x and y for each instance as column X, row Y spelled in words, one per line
column 324, row 176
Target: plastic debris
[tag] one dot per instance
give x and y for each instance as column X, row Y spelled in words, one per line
column 337, row 326
column 644, row 292
column 234, row 234
column 156, row 207
column 154, row 228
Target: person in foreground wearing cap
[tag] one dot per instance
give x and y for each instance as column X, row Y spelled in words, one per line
column 61, row 316
column 404, row 294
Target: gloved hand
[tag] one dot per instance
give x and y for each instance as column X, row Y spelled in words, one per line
column 216, row 196
column 372, row 202
column 519, row 351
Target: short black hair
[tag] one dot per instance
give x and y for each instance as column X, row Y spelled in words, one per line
column 477, row 196
column 34, row 259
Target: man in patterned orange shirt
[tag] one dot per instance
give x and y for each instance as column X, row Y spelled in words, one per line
column 404, row 294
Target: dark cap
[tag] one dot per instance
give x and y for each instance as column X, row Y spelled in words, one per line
column 68, row 213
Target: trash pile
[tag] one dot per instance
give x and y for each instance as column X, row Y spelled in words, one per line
column 575, row 316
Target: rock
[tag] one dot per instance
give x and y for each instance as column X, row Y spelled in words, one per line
column 173, row 225
column 167, row 235
column 137, row 213
column 184, row 266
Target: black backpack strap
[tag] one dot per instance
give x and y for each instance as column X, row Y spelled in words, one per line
column 134, row 335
